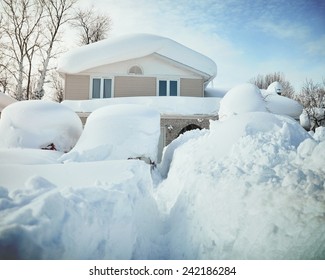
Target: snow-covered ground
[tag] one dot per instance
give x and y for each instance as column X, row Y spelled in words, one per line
column 251, row 187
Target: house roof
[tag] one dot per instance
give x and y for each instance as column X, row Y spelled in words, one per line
column 133, row 46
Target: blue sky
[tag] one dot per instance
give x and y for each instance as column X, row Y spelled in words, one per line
column 244, row 37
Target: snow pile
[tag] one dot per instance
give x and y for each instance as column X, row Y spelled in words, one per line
column 251, row 188
column 133, row 46
column 165, row 105
column 118, row 132
column 169, row 150
column 240, row 99
column 28, row 156
column 39, row 124
column 281, row 105
column 319, row 133
column 115, row 218
column 275, row 88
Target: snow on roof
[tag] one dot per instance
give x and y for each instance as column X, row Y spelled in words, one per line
column 133, row 46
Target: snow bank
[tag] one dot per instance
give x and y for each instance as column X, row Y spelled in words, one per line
column 181, row 105
column 247, row 98
column 118, row 132
column 133, row 46
column 114, row 217
column 251, row 188
column 275, row 88
column 28, row 156
column 37, row 124
column 169, row 150
column 281, row 105
column 241, row 99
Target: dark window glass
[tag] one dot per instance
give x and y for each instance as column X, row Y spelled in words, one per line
column 107, row 88
column 173, row 88
column 162, row 88
column 96, row 88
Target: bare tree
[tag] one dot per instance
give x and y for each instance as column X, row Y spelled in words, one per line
column 57, row 13
column 92, row 26
column 58, row 86
column 312, row 97
column 263, row 82
column 21, row 31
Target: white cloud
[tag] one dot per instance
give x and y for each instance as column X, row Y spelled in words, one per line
column 282, row 29
column 316, row 47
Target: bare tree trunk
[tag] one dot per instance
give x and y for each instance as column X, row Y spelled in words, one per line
column 57, row 15
column 21, row 30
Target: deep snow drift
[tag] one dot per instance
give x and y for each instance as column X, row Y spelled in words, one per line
column 251, row 187
column 257, row 192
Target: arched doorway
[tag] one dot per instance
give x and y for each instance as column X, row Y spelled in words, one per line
column 188, row 128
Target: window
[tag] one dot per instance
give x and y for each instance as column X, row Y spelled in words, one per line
column 167, row 88
column 101, row 88
column 135, row 70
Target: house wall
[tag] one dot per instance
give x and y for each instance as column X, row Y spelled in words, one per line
column 154, row 67
column 77, row 87
column 192, row 87
column 134, row 86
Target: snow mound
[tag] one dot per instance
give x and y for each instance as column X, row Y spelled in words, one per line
column 241, row 99
column 169, row 150
column 118, row 132
column 108, row 219
column 275, row 88
column 281, row 105
column 28, row 156
column 319, row 133
column 127, row 47
column 252, row 188
column 39, row 124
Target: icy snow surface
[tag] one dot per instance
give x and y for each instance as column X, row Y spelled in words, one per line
column 118, row 49
column 251, row 187
column 37, row 124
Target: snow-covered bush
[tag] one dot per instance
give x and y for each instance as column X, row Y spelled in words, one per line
column 278, row 104
column 118, row 132
column 40, row 125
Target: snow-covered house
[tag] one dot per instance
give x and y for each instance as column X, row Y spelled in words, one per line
column 135, row 65
column 142, row 69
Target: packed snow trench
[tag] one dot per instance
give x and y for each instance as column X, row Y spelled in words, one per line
column 251, row 187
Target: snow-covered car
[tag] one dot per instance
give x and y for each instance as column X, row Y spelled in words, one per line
column 37, row 124
column 118, row 132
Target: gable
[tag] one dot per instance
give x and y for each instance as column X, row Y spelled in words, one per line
column 151, row 65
